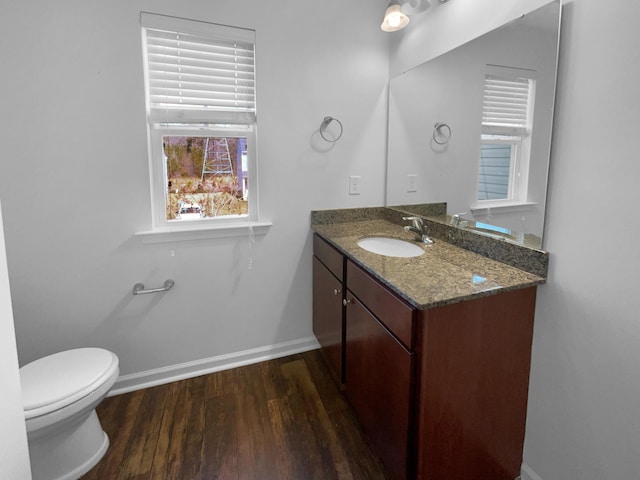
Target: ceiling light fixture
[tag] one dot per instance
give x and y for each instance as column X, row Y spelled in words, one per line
column 394, row 18
column 397, row 16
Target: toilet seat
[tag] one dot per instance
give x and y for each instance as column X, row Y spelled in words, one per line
column 45, row 390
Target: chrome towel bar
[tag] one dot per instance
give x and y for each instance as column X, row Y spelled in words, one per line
column 138, row 288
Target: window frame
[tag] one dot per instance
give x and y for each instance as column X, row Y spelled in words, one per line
column 197, row 122
column 159, row 188
column 514, row 135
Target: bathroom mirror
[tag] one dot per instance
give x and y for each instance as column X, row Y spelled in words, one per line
column 439, row 122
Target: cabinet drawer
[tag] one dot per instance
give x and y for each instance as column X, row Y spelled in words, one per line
column 329, row 256
column 393, row 312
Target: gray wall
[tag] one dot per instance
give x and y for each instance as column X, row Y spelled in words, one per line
column 75, row 186
column 585, row 389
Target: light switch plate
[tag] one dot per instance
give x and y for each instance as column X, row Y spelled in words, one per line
column 412, row 183
column 354, row 185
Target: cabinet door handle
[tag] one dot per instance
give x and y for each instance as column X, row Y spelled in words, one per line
column 337, row 291
column 346, row 301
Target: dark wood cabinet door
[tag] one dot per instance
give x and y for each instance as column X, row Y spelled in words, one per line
column 327, row 316
column 378, row 385
column 473, row 386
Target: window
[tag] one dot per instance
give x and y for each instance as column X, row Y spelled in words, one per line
column 507, row 113
column 200, row 98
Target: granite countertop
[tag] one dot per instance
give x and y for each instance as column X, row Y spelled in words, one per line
column 445, row 274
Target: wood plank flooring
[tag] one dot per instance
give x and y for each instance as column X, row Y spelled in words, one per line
column 277, row 420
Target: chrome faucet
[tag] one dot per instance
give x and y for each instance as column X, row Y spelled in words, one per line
column 417, row 227
column 456, row 221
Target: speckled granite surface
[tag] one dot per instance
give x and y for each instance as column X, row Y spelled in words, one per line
column 319, row 217
column 423, row 209
column 436, row 212
column 444, row 274
column 520, row 256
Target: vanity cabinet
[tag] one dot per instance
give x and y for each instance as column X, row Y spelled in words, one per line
column 441, row 392
column 328, row 308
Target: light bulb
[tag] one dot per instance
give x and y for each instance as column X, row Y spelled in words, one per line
column 394, row 18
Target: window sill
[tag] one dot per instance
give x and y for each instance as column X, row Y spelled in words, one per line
column 185, row 234
column 504, row 207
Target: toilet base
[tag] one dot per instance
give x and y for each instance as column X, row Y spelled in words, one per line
column 67, row 451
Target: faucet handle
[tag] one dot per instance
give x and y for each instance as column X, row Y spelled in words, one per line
column 417, row 221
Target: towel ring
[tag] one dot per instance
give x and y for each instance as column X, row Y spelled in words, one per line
column 437, row 134
column 325, row 124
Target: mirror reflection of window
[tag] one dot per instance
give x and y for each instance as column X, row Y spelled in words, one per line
column 507, row 116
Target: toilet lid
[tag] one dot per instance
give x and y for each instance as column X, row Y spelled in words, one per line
column 57, row 380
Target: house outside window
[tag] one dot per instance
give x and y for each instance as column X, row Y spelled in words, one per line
column 201, row 115
column 507, row 116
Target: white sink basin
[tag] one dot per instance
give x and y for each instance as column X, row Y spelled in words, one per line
column 390, row 247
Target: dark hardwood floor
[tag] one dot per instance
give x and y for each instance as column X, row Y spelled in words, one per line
column 280, row 419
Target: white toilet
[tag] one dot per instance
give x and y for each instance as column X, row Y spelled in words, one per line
column 59, row 394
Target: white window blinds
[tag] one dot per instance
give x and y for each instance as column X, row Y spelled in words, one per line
column 505, row 106
column 198, row 71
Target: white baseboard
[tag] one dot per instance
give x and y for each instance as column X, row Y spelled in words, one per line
column 526, row 473
column 173, row 373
